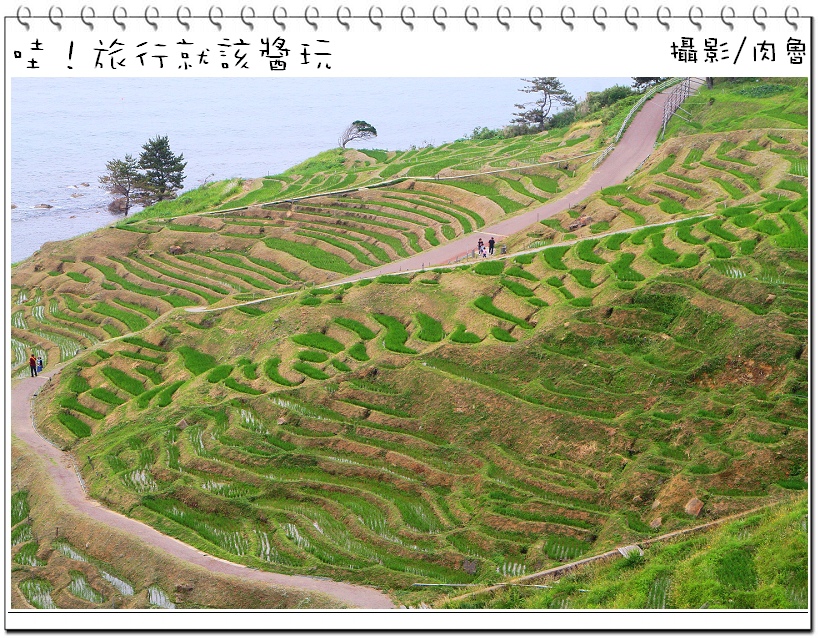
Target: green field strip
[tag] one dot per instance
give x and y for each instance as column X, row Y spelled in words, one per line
column 396, row 334
column 144, row 274
column 312, row 255
column 390, row 240
column 489, row 192
column 486, row 304
column 148, row 312
column 206, row 261
column 585, row 251
column 519, row 187
column 241, row 262
column 361, row 215
column 112, row 276
column 465, row 223
column 377, row 253
column 689, row 192
column 622, row 270
column 267, row 265
column 450, row 208
column 190, row 265
column 358, row 254
column 714, row 227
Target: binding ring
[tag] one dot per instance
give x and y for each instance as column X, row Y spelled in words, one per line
column 116, row 19
column 794, row 25
column 314, row 25
column 570, row 25
column 698, row 25
column 756, row 20
column 83, row 19
column 155, row 25
column 20, row 19
column 51, row 17
column 348, row 16
column 218, row 25
column 372, row 20
column 666, row 25
column 468, row 19
column 403, row 19
column 531, row 17
column 628, row 17
column 508, row 16
column 275, row 16
column 601, row 24
column 733, row 15
column 245, row 20
column 437, row 20
column 186, row 25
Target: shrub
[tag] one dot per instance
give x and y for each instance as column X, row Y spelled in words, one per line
column 553, row 257
column 585, row 251
column 583, row 277
column 195, row 361
column 123, row 381
column 396, row 335
column 614, row 242
column 219, row 373
column 502, row 335
column 319, row 341
column 430, row 328
column 516, row 271
column 166, row 395
column 357, row 327
column 271, row 370
column 358, row 352
column 485, row 304
column 240, row 387
column 83, row 279
column 78, row 427
column 622, row 268
column 461, row 336
column 492, row 268
column 310, row 371
column 313, row 356
column 394, row 279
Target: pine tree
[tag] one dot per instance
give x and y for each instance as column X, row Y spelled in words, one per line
column 163, row 171
column 124, row 180
column 550, row 91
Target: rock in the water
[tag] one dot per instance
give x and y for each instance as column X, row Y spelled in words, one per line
column 694, row 506
column 43, row 206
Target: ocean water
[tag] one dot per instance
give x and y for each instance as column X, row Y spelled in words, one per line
column 64, row 130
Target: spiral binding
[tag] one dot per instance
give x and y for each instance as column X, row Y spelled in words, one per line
column 535, row 17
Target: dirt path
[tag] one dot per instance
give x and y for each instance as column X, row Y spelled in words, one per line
column 634, row 147
column 60, row 468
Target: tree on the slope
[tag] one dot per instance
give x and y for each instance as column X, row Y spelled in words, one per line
column 123, row 180
column 549, row 91
column 358, row 130
column 640, row 84
column 163, row 171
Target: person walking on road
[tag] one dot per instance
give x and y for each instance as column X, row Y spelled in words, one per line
column 32, row 364
column 491, row 246
column 39, row 364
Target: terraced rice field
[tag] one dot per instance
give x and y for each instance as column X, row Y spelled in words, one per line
column 462, row 424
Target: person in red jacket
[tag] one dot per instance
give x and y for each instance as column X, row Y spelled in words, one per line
column 32, row 364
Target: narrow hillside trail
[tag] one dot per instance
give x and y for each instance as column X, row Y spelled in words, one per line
column 60, row 468
column 635, row 146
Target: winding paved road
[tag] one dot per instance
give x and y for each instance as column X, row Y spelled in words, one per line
column 635, row 146
column 632, row 150
column 60, row 468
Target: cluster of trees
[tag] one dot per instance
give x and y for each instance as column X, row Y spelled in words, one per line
column 155, row 176
column 543, row 113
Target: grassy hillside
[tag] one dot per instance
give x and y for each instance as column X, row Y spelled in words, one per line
column 458, row 425
column 757, row 562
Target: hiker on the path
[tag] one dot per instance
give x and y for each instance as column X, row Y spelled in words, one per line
column 491, row 246
column 32, row 364
column 480, row 246
column 39, row 364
